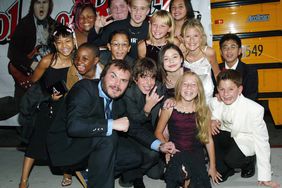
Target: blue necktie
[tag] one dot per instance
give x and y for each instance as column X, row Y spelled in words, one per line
column 108, row 111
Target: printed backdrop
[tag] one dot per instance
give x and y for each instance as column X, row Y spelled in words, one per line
column 11, row 11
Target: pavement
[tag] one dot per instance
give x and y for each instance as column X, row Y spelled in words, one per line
column 11, row 158
column 42, row 177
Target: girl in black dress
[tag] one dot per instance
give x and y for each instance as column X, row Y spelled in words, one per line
column 51, row 70
column 161, row 32
column 189, row 129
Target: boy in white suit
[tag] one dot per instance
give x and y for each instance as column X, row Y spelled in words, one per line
column 239, row 131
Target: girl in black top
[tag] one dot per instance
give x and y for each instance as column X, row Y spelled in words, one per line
column 51, row 69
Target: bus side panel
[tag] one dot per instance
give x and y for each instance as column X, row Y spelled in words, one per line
column 247, row 18
column 258, row 50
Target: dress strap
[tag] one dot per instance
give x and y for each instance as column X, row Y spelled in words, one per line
column 146, row 44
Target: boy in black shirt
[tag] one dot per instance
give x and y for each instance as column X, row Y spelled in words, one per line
column 135, row 25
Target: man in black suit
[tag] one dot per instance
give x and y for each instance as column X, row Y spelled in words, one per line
column 231, row 51
column 96, row 122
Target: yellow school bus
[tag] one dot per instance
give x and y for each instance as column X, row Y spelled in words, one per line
column 259, row 25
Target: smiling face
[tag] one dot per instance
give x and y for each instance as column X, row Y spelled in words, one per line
column 119, row 46
column 41, row 8
column 192, row 38
column 115, row 81
column 172, row 60
column 139, row 9
column 119, row 9
column 230, row 52
column 159, row 29
column 85, row 60
column 178, row 10
column 64, row 45
column 86, row 19
column 145, row 82
column 189, row 88
column 228, row 91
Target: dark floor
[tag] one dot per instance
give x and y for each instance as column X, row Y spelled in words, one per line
column 9, row 136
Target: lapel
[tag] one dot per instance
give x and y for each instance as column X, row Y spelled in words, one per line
column 221, row 66
column 118, row 108
column 98, row 102
column 240, row 67
column 239, row 116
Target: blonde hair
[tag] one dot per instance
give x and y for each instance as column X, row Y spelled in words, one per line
column 166, row 19
column 195, row 23
column 203, row 114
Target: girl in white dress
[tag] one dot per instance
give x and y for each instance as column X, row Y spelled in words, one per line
column 199, row 57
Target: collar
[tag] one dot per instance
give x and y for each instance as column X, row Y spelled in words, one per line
column 101, row 92
column 233, row 67
column 43, row 23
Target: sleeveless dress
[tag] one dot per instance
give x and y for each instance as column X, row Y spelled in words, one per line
column 202, row 68
column 152, row 51
column 183, row 133
column 37, row 144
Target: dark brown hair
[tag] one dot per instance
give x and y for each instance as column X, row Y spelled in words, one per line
column 50, row 8
column 229, row 74
column 145, row 66
column 121, row 64
column 188, row 6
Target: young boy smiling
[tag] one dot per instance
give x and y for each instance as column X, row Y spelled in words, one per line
column 136, row 25
column 231, row 52
column 239, row 131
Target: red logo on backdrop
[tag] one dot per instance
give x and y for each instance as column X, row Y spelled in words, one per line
column 219, row 21
column 10, row 18
column 8, row 21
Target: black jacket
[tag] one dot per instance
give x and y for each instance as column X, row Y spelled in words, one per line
column 250, row 79
column 81, row 119
column 136, row 34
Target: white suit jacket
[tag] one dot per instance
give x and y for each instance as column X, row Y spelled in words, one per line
column 244, row 119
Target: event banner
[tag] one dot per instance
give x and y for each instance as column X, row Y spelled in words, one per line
column 11, row 11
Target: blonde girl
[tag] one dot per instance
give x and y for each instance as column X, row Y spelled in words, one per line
column 161, row 32
column 189, row 129
column 199, row 57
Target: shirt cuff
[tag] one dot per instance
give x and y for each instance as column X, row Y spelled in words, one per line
column 110, row 127
column 155, row 145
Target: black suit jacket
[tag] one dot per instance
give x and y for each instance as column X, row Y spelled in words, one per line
column 82, row 119
column 135, row 101
column 250, row 79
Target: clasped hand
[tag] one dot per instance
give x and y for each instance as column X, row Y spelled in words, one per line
column 121, row 124
column 168, row 148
